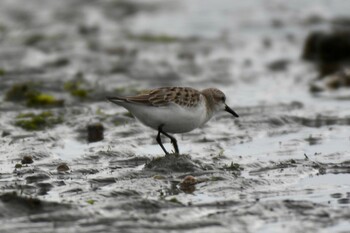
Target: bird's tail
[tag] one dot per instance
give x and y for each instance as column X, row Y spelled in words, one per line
column 116, row 99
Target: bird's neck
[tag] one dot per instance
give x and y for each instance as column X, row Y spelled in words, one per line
column 209, row 104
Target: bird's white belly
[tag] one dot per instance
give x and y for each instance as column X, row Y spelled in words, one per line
column 173, row 118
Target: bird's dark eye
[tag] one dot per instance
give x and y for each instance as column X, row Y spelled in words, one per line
column 223, row 99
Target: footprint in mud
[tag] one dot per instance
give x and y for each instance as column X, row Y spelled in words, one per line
column 173, row 163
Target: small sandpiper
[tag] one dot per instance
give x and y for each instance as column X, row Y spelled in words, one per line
column 174, row 109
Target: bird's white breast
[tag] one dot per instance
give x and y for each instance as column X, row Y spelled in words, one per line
column 173, row 117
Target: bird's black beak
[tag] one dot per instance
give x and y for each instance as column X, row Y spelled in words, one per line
column 228, row 109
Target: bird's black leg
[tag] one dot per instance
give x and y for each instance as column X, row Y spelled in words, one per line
column 173, row 140
column 160, row 141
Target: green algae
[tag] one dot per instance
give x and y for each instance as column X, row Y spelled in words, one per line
column 91, row 202
column 37, row 38
column 118, row 122
column 161, row 38
column 34, row 39
column 32, row 122
column 128, row 114
column 75, row 88
column 28, row 93
column 151, row 38
column 81, row 93
column 43, row 100
column 2, row 72
column 3, row 28
column 174, row 200
column 20, row 91
column 60, row 62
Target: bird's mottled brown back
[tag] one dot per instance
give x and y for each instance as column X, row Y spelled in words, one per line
column 184, row 96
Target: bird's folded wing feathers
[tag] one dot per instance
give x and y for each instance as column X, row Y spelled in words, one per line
column 162, row 97
column 154, row 98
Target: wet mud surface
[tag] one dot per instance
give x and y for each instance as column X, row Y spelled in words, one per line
column 72, row 162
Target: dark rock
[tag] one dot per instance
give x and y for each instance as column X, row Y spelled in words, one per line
column 278, row 65
column 329, row 50
column 95, row 132
column 327, row 47
column 27, row 159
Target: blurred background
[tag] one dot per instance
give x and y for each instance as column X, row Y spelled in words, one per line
column 255, row 50
column 284, row 66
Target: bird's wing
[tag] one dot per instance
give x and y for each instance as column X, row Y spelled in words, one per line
column 157, row 97
column 163, row 96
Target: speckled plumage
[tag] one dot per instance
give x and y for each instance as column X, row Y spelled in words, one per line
column 184, row 96
column 174, row 109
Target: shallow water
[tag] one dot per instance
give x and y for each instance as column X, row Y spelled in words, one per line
column 283, row 165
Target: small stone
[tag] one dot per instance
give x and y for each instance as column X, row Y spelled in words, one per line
column 62, row 167
column 189, row 180
column 188, row 184
column 18, row 165
column 27, row 159
column 95, row 132
column 278, row 65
